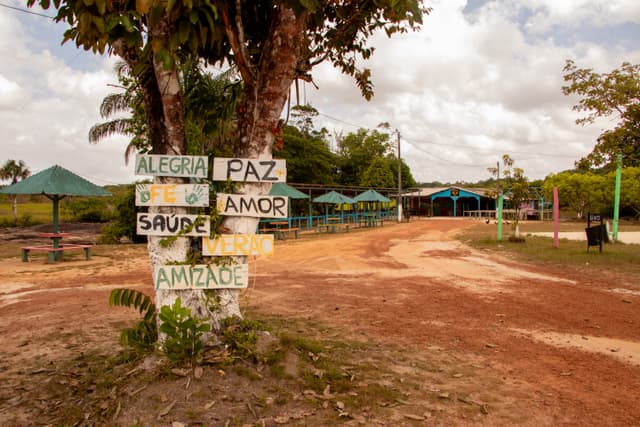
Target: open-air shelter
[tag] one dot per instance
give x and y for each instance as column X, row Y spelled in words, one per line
column 55, row 183
column 334, row 198
column 283, row 189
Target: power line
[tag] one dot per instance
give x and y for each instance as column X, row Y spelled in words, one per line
column 19, row 9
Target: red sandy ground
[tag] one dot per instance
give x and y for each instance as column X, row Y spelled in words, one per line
column 542, row 347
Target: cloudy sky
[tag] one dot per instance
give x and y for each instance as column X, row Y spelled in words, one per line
column 482, row 79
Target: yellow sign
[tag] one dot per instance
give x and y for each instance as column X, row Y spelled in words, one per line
column 238, row 244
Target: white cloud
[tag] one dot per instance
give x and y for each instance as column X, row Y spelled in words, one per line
column 463, row 91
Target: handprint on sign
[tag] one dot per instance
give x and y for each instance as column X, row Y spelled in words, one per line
column 144, row 195
column 194, row 196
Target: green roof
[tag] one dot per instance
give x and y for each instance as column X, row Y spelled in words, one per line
column 335, row 198
column 282, row 189
column 371, row 196
column 56, row 181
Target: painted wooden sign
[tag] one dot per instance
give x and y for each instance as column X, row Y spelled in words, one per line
column 159, row 224
column 249, row 170
column 201, row 277
column 238, row 244
column 172, row 195
column 165, row 165
column 253, row 206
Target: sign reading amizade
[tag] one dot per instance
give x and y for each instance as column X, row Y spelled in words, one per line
column 165, row 165
column 249, row 170
column 205, row 276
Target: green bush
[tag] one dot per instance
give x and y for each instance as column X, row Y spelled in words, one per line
column 124, row 219
column 183, row 333
column 92, row 209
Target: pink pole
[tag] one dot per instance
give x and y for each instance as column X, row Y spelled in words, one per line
column 556, row 217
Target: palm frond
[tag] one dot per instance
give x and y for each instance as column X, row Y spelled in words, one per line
column 114, row 127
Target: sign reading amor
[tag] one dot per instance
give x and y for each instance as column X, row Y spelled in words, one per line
column 159, row 224
column 201, row 276
column 164, row 165
column 253, row 206
column 172, row 195
column 238, row 244
column 249, row 170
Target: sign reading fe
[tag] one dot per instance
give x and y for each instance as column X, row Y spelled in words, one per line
column 249, row 170
column 238, row 244
column 164, row 165
column 253, row 206
column 172, row 195
column 201, row 276
column 159, row 224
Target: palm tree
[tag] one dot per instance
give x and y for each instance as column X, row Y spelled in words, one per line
column 210, row 104
column 14, row 171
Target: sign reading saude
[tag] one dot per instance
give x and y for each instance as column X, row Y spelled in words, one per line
column 164, row 165
column 249, row 170
column 201, row 276
column 160, row 224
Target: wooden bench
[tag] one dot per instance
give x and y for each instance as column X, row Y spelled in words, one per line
column 281, row 233
column 52, row 252
column 332, row 228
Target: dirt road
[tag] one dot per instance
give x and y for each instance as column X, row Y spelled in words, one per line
column 566, row 343
column 539, row 347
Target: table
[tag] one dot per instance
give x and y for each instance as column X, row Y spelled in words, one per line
column 55, row 250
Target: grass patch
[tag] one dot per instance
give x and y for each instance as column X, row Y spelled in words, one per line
column 620, row 257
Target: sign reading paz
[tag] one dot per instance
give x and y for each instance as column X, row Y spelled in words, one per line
column 253, row 206
column 163, row 165
column 201, row 277
column 238, row 244
column 159, row 224
column 172, row 195
column 249, row 170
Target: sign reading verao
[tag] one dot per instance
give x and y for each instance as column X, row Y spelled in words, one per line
column 238, row 244
column 165, row 165
column 201, row 276
column 172, row 195
column 253, row 206
column 249, row 170
column 160, row 224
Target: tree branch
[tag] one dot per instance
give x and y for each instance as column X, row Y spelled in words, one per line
column 235, row 34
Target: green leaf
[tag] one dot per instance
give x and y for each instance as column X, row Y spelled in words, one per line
column 101, row 5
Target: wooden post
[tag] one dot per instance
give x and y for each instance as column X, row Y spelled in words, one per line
column 556, row 217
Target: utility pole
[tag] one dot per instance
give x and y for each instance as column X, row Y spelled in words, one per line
column 399, row 199
column 499, row 202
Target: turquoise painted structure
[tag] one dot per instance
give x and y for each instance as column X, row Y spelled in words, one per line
column 454, row 194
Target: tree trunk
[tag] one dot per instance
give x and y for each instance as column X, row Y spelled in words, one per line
column 259, row 119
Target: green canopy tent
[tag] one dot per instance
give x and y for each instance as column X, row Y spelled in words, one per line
column 372, row 196
column 282, row 189
column 334, row 198
column 56, row 183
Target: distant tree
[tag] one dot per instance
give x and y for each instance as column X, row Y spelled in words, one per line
column 614, row 94
column 581, row 192
column 379, row 174
column 309, row 160
column 14, row 171
column 357, row 151
column 515, row 185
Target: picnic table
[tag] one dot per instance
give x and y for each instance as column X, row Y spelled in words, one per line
column 281, row 229
column 370, row 220
column 55, row 249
